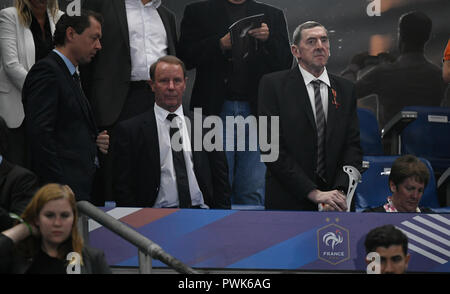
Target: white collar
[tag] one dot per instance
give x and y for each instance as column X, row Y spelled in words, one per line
column 308, row 77
column 161, row 113
column 154, row 3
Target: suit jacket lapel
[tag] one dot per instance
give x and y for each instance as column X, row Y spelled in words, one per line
column 51, row 21
column 296, row 89
column 84, row 104
column 166, row 22
column 332, row 110
column 81, row 98
column 253, row 8
column 119, row 6
column 150, row 134
column 220, row 16
column 25, row 43
column 191, row 133
column 5, row 167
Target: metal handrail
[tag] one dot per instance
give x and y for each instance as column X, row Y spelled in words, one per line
column 145, row 245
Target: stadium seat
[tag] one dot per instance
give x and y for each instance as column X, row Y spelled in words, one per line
column 422, row 131
column 369, row 133
column 370, row 102
column 429, row 136
column 374, row 188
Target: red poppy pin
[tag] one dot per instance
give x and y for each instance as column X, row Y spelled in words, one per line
column 334, row 102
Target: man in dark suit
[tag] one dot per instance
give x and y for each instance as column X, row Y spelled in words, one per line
column 318, row 128
column 136, row 33
column 411, row 79
column 17, row 184
column 61, row 131
column 226, row 83
column 149, row 170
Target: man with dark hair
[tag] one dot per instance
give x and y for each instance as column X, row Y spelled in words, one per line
column 149, row 170
column 319, row 129
column 392, row 246
column 17, row 184
column 61, row 131
column 226, row 81
column 411, row 79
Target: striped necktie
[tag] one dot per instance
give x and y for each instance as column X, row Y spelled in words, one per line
column 321, row 125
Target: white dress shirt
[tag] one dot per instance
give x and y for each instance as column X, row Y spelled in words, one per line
column 308, row 78
column 148, row 37
column 168, row 191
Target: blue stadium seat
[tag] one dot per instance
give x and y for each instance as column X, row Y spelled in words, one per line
column 374, row 188
column 428, row 136
column 369, row 133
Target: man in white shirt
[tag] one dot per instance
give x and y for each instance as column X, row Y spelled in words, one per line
column 151, row 170
column 135, row 34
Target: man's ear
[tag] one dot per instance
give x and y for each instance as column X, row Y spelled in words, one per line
column 70, row 34
column 150, row 83
column 295, row 51
column 407, row 258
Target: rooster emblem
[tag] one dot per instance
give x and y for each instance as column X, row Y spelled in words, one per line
column 333, row 238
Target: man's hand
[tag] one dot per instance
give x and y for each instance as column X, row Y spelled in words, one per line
column 103, row 142
column 225, row 42
column 262, row 33
column 332, row 200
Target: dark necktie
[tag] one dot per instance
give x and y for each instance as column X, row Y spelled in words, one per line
column 85, row 101
column 76, row 77
column 321, row 125
column 184, row 196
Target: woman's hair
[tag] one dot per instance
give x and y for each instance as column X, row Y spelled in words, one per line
column 409, row 166
column 24, row 10
column 44, row 195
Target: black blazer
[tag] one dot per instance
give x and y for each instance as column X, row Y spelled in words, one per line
column 106, row 79
column 17, row 187
column 60, row 127
column 202, row 26
column 291, row 177
column 12, row 262
column 137, row 170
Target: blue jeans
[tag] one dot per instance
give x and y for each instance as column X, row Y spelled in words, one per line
column 246, row 171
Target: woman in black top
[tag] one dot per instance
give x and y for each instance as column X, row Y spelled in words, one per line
column 47, row 241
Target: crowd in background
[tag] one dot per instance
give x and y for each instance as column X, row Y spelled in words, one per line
column 90, row 103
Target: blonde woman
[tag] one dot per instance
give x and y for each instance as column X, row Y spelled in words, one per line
column 46, row 236
column 26, row 32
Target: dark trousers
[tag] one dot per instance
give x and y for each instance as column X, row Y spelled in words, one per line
column 17, row 149
column 140, row 99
